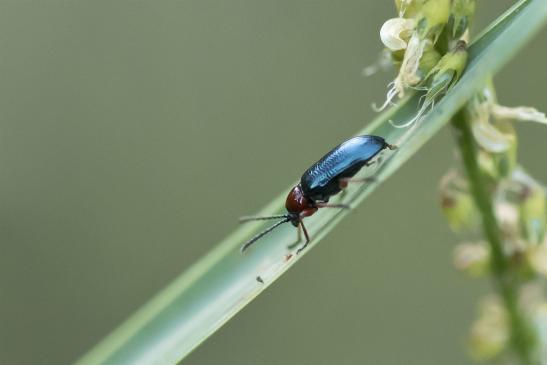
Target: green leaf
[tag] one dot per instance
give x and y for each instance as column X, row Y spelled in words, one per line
column 219, row 285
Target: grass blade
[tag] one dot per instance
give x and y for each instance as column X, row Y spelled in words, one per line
column 214, row 289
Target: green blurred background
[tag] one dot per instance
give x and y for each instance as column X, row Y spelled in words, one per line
column 133, row 134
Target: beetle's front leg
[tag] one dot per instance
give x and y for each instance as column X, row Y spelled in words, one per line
column 305, row 235
column 298, row 238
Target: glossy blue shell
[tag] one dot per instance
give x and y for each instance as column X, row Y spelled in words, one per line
column 322, row 179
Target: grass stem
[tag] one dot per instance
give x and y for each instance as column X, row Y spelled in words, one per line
column 506, row 282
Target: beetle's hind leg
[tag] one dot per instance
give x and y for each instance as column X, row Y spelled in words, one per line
column 345, row 181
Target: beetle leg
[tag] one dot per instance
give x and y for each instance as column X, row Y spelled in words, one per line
column 305, row 235
column 344, row 182
column 341, row 206
column 298, row 238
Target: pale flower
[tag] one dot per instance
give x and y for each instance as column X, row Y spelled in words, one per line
column 507, row 216
column 394, row 32
column 486, row 112
column 408, row 73
column 518, row 113
column 486, row 134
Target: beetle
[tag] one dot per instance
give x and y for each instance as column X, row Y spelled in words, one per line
column 324, row 179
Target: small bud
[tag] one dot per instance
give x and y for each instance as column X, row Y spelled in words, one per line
column 452, row 65
column 507, row 161
column 537, row 258
column 396, row 32
column 430, row 57
column 433, row 16
column 408, row 8
column 457, row 204
column 472, row 258
column 460, row 212
column 507, row 215
column 532, row 214
column 490, row 333
column 438, row 81
column 487, row 164
column 530, row 197
column 461, row 14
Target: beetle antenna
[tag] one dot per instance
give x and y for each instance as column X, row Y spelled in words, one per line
column 248, row 218
column 263, row 233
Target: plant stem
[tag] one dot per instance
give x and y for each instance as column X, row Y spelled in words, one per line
column 523, row 336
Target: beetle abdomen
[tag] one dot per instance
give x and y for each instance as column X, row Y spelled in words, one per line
column 322, row 179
